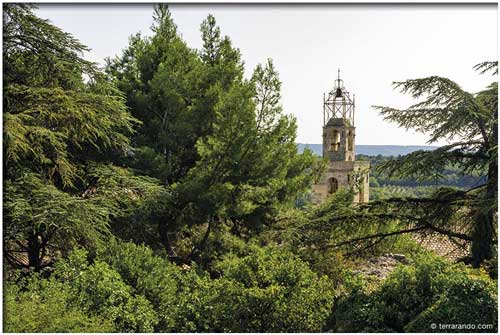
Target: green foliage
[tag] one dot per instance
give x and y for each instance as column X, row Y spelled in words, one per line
column 150, row 276
column 267, row 290
column 128, row 288
column 264, row 290
column 61, row 116
column 415, row 296
column 114, row 200
column 79, row 297
column 97, row 288
column 452, row 175
column 387, row 192
column 250, row 159
column 220, row 141
column 467, row 303
column 469, row 122
column 136, row 204
column 446, row 112
column 159, row 76
column 53, row 119
column 34, row 206
column 212, row 174
column 353, row 312
column 336, row 228
column 46, row 307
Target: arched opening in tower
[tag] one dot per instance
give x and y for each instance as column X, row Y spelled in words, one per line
column 335, row 141
column 333, row 185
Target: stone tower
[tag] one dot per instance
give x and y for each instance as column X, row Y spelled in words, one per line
column 339, row 136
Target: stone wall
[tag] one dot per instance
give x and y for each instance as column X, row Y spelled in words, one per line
column 342, row 171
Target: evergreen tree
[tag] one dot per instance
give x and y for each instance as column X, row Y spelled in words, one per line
column 64, row 126
column 469, row 122
column 159, row 76
column 218, row 141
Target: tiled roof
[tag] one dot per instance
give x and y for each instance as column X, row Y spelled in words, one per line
column 443, row 245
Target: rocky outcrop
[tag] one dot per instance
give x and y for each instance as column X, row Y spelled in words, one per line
column 382, row 266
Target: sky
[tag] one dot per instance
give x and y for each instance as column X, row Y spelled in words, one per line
column 373, row 45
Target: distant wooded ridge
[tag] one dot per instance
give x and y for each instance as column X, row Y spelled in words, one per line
column 373, row 150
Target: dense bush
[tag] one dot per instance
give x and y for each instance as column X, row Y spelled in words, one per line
column 468, row 302
column 152, row 276
column 266, row 290
column 279, row 292
column 100, row 289
column 129, row 289
column 47, row 306
column 79, row 297
column 415, row 296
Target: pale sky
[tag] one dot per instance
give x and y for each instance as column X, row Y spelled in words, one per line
column 372, row 45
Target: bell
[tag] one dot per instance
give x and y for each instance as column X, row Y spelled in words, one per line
column 338, row 93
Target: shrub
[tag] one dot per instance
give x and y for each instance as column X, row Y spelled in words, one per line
column 264, row 290
column 154, row 277
column 415, row 296
column 470, row 301
column 270, row 290
column 356, row 310
column 45, row 306
column 409, row 290
column 99, row 289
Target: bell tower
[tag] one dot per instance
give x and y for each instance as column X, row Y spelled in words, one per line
column 338, row 123
column 339, row 136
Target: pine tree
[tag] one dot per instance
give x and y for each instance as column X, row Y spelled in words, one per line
column 222, row 142
column 64, row 127
column 158, row 75
column 469, row 122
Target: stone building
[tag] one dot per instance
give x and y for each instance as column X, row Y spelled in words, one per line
column 339, row 136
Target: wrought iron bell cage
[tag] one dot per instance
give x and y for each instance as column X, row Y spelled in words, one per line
column 338, row 104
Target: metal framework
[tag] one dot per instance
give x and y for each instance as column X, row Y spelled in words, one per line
column 338, row 104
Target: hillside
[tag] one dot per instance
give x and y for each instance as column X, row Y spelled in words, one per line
column 373, row 150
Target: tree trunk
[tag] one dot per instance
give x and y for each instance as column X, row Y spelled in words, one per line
column 484, row 230
column 197, row 252
column 163, row 232
column 483, row 235
column 34, row 260
column 207, row 234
